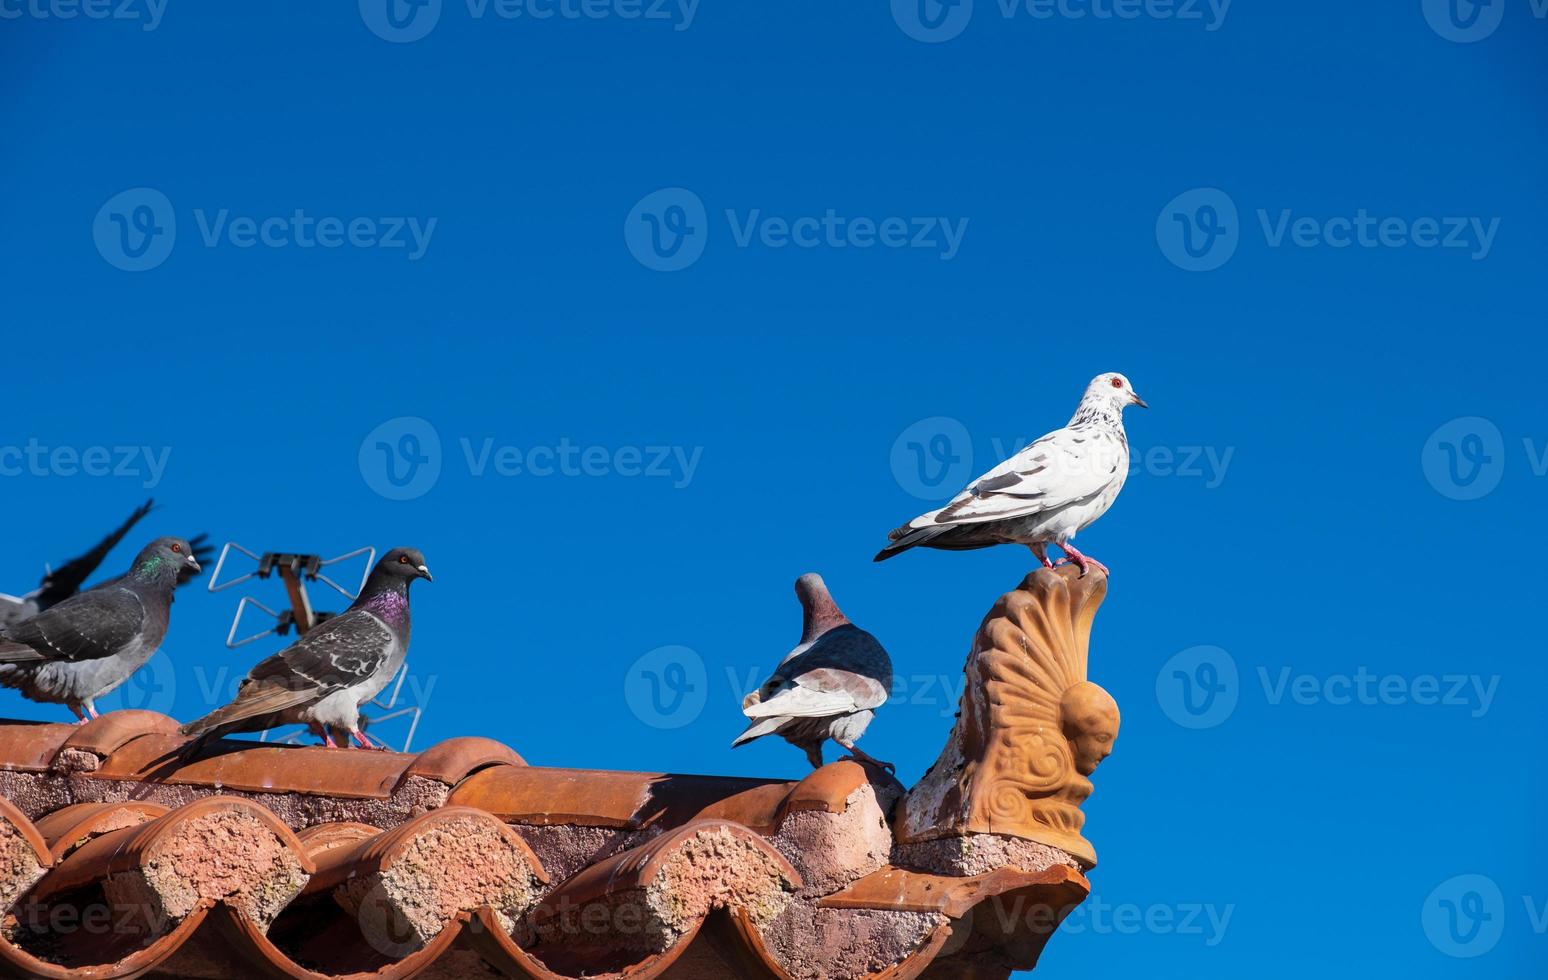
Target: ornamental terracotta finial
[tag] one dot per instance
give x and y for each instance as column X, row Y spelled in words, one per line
column 1030, row 727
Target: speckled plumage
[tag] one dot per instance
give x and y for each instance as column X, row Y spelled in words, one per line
column 324, row 677
column 1044, row 494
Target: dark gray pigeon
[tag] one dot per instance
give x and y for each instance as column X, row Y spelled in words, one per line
column 323, row 678
column 65, row 581
column 829, row 686
column 86, row 645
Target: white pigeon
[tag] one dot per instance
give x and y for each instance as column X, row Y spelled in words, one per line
column 1044, row 494
column 829, row 686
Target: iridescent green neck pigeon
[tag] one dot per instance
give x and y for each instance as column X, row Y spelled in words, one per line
column 65, row 581
column 85, row 646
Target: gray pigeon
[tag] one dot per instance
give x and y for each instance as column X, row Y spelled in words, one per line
column 829, row 686
column 65, row 581
column 85, row 646
column 323, row 678
column 1045, row 493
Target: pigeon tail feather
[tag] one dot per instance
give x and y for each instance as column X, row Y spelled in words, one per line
column 758, row 729
column 247, row 706
column 17, row 653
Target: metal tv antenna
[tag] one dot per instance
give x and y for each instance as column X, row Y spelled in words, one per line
column 296, row 570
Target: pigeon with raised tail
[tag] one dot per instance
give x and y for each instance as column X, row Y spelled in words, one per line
column 829, row 686
column 1045, row 493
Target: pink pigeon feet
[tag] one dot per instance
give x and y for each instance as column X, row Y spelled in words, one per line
column 371, row 742
column 82, row 717
column 1041, row 551
column 1085, row 563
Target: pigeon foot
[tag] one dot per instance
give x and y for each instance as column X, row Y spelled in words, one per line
column 1083, row 562
column 368, row 741
column 857, row 755
column 1041, row 551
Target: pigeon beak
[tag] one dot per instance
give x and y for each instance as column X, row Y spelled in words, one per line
column 193, row 565
column 1137, row 400
column 424, row 573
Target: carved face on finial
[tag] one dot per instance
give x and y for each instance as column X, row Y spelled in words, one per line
column 1088, row 716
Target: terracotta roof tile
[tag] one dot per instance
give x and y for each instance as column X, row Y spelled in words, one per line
column 32, row 747
column 308, row 876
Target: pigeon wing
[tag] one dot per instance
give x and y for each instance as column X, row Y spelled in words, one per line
column 797, row 701
column 843, row 670
column 340, row 653
column 87, row 626
column 1062, row 468
column 66, row 580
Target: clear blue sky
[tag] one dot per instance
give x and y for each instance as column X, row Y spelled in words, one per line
column 1324, row 540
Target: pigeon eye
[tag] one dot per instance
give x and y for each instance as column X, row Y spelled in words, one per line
column 1117, row 382
column 177, row 549
column 403, row 559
